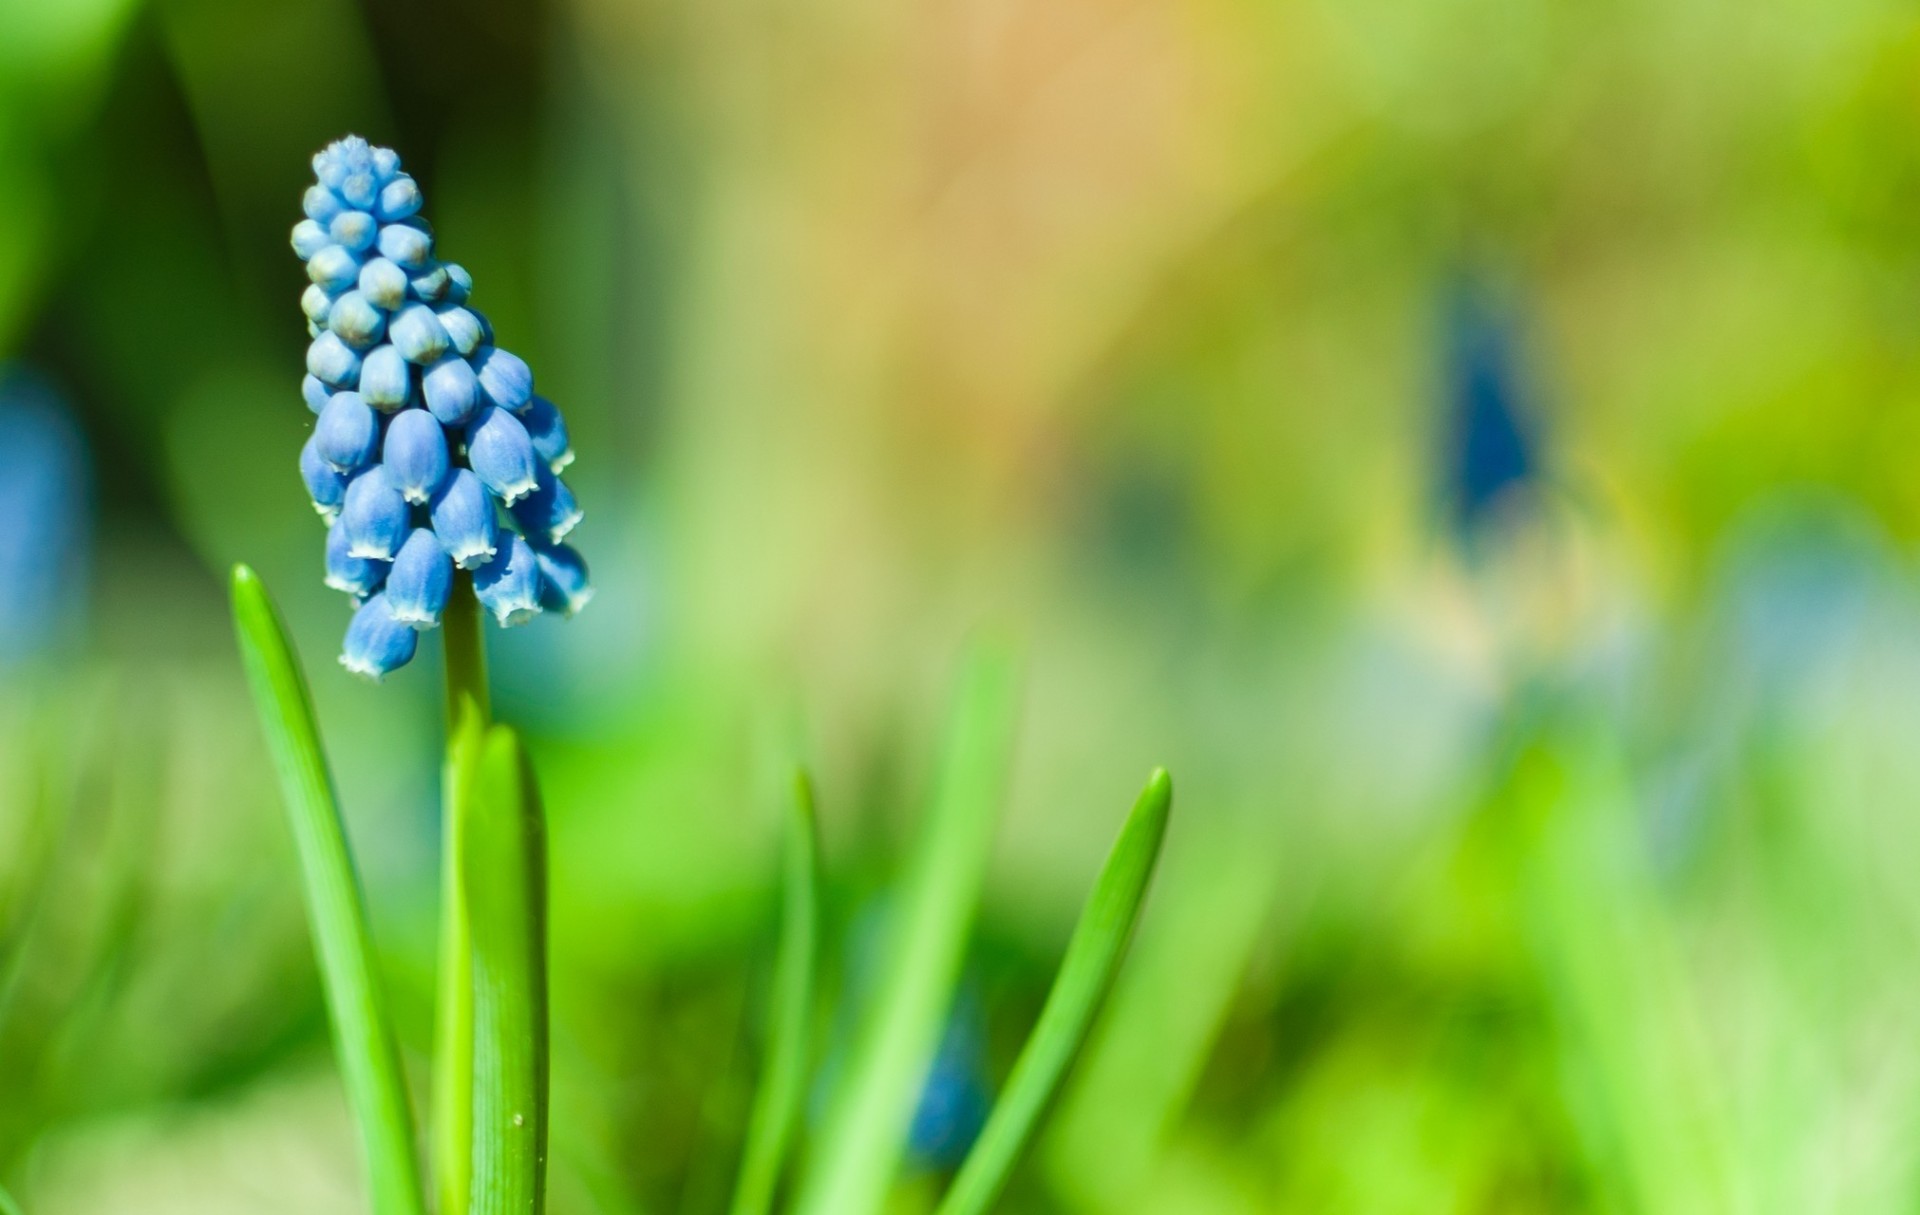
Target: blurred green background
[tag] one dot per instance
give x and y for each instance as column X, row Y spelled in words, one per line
column 1470, row 442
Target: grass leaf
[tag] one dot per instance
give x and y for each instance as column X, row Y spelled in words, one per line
column 1093, row 956
column 776, row 1105
column 505, row 872
column 867, row 1126
column 363, row 1035
column 453, row 998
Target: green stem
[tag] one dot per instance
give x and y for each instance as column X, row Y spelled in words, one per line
column 468, row 714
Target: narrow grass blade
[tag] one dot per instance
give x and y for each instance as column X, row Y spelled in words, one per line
column 363, row 1035
column 506, row 891
column 453, row 1002
column 867, row 1127
column 1093, row 956
column 776, row 1106
column 7, row 1205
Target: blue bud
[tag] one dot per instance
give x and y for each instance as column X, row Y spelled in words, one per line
column 316, row 302
column 504, row 377
column 548, row 513
column 451, row 390
column 509, row 585
column 501, row 455
column 353, row 231
column 430, row 284
column 548, row 431
column 313, row 330
column 346, row 572
column 406, row 245
column 333, row 361
column 332, row 163
column 326, row 485
column 377, row 644
column 564, row 586
column 321, row 205
column 418, row 334
column 358, row 323
column 375, row 515
column 463, row 328
column 315, row 393
column 347, row 433
column 462, row 516
column 385, row 379
column 421, row 580
column 359, row 189
column 384, row 283
column 398, row 199
column 459, row 283
column 309, row 237
column 416, row 454
column 333, row 268
column 386, row 163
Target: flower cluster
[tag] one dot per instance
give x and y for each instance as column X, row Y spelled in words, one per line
column 430, row 450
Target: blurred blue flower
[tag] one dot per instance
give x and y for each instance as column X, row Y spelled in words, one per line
column 44, row 519
column 427, row 433
column 1488, row 448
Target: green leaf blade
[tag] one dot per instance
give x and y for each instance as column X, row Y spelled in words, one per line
column 453, row 997
column 505, row 876
column 1086, row 974
column 776, row 1107
column 363, row 1034
column 867, row 1128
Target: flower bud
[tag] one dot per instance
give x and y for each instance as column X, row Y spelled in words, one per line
column 398, row 199
column 332, row 361
column 509, row 585
column 359, row 189
column 459, row 283
column 357, row 322
column 463, row 328
column 321, row 204
column 334, row 269
column 408, row 246
column 421, row 580
column 386, row 164
column 548, row 513
column 384, row 283
column 430, row 284
column 385, row 379
column 548, row 432
column 452, row 392
column 353, row 231
column 377, row 644
column 418, row 335
column 501, row 455
column 462, row 515
column 416, row 455
column 309, row 237
column 316, row 303
column 315, row 393
column 504, row 377
column 326, row 485
column 347, row 434
column 564, row 586
column 346, row 572
column 375, row 515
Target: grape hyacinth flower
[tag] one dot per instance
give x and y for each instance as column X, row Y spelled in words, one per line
column 431, row 459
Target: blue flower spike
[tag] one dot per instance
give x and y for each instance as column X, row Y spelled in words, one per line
column 429, row 447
